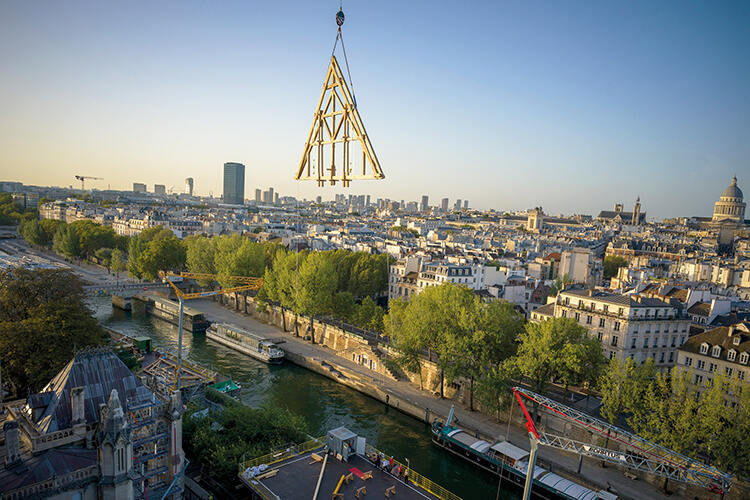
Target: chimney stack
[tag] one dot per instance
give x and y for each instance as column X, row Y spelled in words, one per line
column 12, row 446
column 77, row 403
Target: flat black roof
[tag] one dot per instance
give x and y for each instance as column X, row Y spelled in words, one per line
column 297, row 477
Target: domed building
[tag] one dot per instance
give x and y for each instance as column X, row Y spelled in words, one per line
column 730, row 207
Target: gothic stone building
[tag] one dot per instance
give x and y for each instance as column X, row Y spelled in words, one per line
column 94, row 432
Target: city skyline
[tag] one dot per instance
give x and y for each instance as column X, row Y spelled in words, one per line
column 614, row 102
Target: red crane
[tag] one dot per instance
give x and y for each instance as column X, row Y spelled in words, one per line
column 639, row 453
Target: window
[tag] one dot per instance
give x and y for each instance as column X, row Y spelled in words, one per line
column 731, row 355
column 688, row 361
column 564, row 313
column 712, row 367
column 648, row 328
column 578, row 316
column 715, row 351
column 619, row 311
column 701, row 364
column 671, row 356
column 661, row 358
column 567, row 301
column 599, row 336
column 684, row 327
column 614, row 340
column 704, row 348
column 657, row 328
column 645, row 342
column 617, row 326
column 698, row 379
column 611, row 354
column 736, row 340
column 674, row 341
column 635, row 339
column 728, row 371
column 740, row 374
column 635, row 328
column 664, row 342
column 601, row 322
column 674, row 329
column 588, row 320
column 682, row 340
column 580, row 304
column 743, row 358
column 606, row 308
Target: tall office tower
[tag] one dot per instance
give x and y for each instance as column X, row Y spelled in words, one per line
column 367, row 202
column 189, row 186
column 258, row 195
column 444, row 204
column 466, row 204
column 318, row 199
column 160, row 189
column 234, row 183
column 425, row 202
column 139, row 187
column 270, row 195
column 457, row 206
column 276, row 198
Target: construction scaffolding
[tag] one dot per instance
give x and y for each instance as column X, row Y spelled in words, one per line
column 151, row 446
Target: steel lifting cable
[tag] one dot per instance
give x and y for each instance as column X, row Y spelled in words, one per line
column 340, row 36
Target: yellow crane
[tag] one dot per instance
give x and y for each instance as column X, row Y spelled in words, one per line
column 247, row 283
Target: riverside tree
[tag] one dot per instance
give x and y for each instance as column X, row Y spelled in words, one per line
column 558, row 348
column 465, row 336
column 43, row 318
column 155, row 249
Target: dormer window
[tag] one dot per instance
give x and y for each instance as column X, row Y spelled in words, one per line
column 736, row 340
column 743, row 358
column 716, row 351
column 704, row 348
column 731, row 355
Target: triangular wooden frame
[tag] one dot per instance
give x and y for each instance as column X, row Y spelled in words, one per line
column 337, row 121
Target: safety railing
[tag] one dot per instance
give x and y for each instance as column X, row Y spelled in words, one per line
column 272, row 458
column 418, row 479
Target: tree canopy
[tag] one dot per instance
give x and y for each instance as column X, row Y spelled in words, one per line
column 611, row 264
column 153, row 250
column 43, row 318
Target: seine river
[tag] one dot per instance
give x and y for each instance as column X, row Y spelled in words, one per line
column 322, row 402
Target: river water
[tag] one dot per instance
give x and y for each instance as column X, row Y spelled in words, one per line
column 323, row 403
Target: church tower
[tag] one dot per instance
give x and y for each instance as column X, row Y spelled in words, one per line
column 115, row 451
column 637, row 212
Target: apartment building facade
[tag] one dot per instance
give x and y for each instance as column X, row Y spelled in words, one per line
column 628, row 326
column 722, row 351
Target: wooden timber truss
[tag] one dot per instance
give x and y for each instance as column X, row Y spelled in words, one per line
column 337, row 122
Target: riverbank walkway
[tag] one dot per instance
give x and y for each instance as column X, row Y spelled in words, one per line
column 484, row 425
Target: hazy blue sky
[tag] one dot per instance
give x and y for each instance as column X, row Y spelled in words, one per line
column 569, row 105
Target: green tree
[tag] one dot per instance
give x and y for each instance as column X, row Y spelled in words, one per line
column 43, row 318
column 369, row 315
column 153, row 250
column 553, row 348
column 200, row 254
column 66, row 242
column 104, row 255
column 315, row 287
column 33, row 232
column 344, row 306
column 93, row 236
column 611, row 264
column 117, row 261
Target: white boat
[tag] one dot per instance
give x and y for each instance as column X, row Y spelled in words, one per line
column 252, row 344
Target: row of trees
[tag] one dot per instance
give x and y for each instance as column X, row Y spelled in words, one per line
column 489, row 344
column 12, row 213
column 43, row 318
column 338, row 283
column 667, row 409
